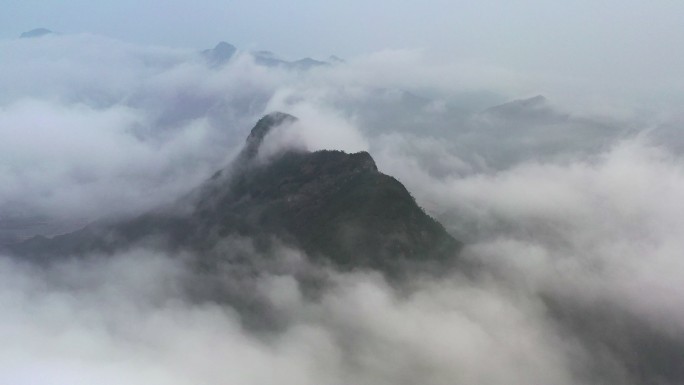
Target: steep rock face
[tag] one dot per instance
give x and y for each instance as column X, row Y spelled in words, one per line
column 336, row 206
column 333, row 205
column 259, row 132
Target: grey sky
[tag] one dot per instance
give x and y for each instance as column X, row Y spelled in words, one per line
column 609, row 42
column 489, row 27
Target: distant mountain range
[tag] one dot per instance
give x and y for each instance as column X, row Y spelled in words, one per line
column 223, row 52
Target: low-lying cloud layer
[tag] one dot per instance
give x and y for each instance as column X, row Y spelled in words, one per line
column 125, row 319
column 571, row 217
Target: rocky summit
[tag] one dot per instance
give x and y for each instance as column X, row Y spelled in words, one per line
column 335, row 206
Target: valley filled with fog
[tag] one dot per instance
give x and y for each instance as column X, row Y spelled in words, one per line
column 569, row 208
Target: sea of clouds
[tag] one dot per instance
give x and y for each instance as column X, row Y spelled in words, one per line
column 571, row 210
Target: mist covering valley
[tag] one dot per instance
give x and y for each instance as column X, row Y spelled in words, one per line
column 568, row 213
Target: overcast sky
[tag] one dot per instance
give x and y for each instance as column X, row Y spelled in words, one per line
column 504, row 29
column 610, row 44
column 612, row 41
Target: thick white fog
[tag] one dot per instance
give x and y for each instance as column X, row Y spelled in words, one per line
column 124, row 321
column 571, row 211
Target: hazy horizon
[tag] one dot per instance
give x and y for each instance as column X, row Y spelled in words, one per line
column 619, row 47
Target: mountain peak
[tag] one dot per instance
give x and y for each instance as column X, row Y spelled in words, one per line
column 336, row 207
column 222, row 46
column 261, row 129
column 534, row 101
column 308, row 63
column 364, row 161
column 38, row 32
column 537, row 101
column 515, row 108
column 265, row 54
column 220, row 54
column 335, row 59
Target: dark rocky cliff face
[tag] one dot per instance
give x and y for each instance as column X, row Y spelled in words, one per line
column 335, row 206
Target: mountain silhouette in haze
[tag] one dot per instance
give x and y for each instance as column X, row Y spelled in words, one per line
column 220, row 54
column 269, row 59
column 536, row 107
column 335, row 206
column 223, row 52
column 37, row 32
